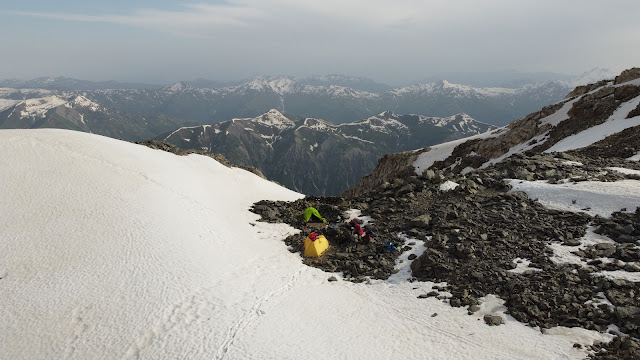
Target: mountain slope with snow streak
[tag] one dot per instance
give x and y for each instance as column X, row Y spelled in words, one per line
column 115, row 250
column 594, row 115
column 78, row 112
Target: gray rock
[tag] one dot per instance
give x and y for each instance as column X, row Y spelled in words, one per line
column 493, row 320
column 422, row 221
column 632, row 267
column 628, row 312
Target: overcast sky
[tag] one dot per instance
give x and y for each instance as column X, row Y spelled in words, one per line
column 394, row 41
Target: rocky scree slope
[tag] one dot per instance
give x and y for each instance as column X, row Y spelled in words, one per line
column 478, row 234
column 314, row 156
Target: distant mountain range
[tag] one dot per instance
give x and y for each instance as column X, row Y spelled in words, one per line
column 337, row 98
column 314, row 156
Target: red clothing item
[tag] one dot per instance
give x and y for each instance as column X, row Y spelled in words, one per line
column 358, row 230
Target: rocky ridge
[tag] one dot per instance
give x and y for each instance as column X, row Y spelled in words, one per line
column 334, row 156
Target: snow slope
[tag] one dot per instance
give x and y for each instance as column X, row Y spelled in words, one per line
column 6, row 103
column 113, row 250
column 591, row 197
column 442, row 151
column 615, row 123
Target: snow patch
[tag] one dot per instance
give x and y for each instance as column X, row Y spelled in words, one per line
column 522, row 266
column 591, row 197
column 559, row 116
column 7, row 103
column 614, row 124
column 517, row 149
column 572, row 163
column 635, row 157
column 352, row 214
column 84, row 102
column 625, row 170
column 38, row 107
column 403, row 264
column 563, row 254
column 443, row 151
column 356, row 138
column 448, row 185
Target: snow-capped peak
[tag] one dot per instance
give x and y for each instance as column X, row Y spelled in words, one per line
column 318, row 124
column 274, row 118
column 280, row 85
column 462, row 119
column 179, row 87
column 382, row 122
column 82, row 101
column 387, row 114
column 39, row 106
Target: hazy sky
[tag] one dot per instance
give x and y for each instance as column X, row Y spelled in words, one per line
column 394, row 41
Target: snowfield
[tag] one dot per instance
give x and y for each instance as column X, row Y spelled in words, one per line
column 592, row 197
column 112, row 250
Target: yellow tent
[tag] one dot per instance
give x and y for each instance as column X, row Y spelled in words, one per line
column 315, row 247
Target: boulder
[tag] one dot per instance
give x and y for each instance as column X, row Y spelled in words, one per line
column 422, row 221
column 493, row 320
column 627, row 75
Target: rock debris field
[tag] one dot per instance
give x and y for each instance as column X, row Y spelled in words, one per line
column 552, row 267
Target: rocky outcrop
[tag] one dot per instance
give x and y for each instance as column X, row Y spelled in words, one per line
column 389, row 167
column 590, row 110
column 583, row 89
column 628, row 75
column 635, row 112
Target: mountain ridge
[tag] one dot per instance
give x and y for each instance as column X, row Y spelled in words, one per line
column 277, row 145
column 336, row 97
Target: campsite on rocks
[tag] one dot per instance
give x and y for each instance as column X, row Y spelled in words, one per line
column 522, row 242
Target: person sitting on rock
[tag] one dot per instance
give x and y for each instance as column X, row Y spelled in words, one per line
column 357, row 229
column 368, row 234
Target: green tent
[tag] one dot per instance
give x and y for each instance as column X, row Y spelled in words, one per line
column 311, row 211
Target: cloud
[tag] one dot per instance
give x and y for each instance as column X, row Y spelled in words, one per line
column 203, row 18
column 193, row 19
column 384, row 39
